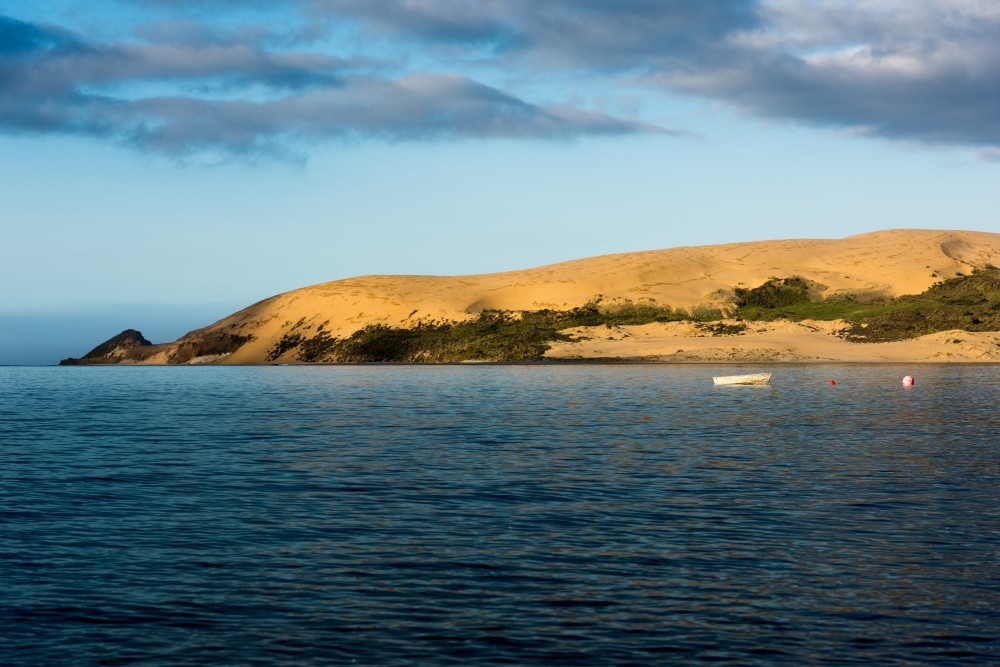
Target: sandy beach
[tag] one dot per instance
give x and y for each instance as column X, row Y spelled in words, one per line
column 780, row 341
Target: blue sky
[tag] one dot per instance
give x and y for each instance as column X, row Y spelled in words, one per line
column 163, row 164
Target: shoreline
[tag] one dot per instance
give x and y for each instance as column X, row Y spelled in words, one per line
column 596, row 361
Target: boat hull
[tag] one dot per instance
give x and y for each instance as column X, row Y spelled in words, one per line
column 752, row 378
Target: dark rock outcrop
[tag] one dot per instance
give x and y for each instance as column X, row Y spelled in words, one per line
column 131, row 347
column 128, row 345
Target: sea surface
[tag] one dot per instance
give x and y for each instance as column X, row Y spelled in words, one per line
column 521, row 515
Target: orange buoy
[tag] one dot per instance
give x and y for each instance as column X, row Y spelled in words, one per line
column 833, row 382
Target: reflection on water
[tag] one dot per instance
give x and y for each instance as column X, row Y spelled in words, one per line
column 518, row 514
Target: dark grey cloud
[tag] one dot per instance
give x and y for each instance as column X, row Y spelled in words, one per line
column 17, row 37
column 923, row 71
column 416, row 107
column 949, row 105
column 602, row 34
column 184, row 89
column 436, row 21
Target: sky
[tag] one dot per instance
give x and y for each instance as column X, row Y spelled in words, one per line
column 164, row 163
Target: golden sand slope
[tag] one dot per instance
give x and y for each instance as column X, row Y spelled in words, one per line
column 769, row 341
column 899, row 261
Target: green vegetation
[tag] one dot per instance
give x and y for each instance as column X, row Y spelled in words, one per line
column 724, row 328
column 965, row 302
column 777, row 293
column 799, row 299
column 289, row 341
column 491, row 336
column 968, row 302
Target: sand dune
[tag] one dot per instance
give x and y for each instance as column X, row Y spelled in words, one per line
column 895, row 261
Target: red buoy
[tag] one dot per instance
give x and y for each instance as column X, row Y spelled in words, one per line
column 908, row 381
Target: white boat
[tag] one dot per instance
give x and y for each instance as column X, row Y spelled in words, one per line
column 753, row 378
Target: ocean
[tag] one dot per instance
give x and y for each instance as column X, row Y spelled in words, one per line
column 478, row 514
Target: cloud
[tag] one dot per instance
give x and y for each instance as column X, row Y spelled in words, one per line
column 918, row 71
column 186, row 90
column 991, row 154
column 416, row 107
column 18, row 37
column 602, row 34
column 925, row 71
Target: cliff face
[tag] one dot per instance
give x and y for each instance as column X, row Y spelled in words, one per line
column 892, row 263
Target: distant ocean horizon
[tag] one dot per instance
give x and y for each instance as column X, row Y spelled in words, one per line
column 549, row 513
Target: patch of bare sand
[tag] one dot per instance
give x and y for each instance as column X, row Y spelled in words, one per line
column 768, row 341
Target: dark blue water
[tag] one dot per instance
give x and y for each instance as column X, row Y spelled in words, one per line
column 603, row 515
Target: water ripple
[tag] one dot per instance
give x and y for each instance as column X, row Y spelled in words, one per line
column 603, row 515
